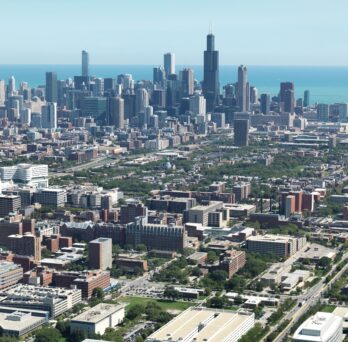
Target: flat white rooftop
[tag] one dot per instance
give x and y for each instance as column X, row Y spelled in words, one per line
column 201, row 324
column 322, row 327
column 98, row 313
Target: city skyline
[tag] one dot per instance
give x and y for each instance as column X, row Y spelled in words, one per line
column 273, row 33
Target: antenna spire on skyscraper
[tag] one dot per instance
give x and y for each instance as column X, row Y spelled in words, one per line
column 210, row 28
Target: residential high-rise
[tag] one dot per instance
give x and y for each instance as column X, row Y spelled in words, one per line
column 159, row 76
column 49, row 115
column 116, row 112
column 289, row 100
column 254, row 95
column 27, row 244
column 142, row 100
column 323, row 112
column 25, row 116
column 187, row 82
column 211, row 86
column 265, row 104
column 11, row 88
column 285, row 87
column 2, row 92
column 243, row 95
column 51, row 87
column 85, row 63
column 342, row 112
column 9, row 204
column 100, row 253
column 98, row 87
column 198, row 104
column 241, row 132
column 306, row 97
column 169, row 63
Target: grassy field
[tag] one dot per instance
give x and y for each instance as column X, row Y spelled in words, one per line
column 165, row 304
column 328, row 308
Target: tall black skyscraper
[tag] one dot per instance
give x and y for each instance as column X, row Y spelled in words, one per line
column 306, row 101
column 265, row 103
column 51, row 87
column 241, row 132
column 211, row 87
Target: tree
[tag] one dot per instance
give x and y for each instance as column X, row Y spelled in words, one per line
column 116, row 249
column 141, row 247
column 324, row 262
column 98, row 293
column 63, row 327
column 196, row 272
column 111, row 334
column 135, row 311
column 211, row 257
column 171, row 293
column 217, row 302
column 77, row 336
column 47, row 334
column 236, row 283
column 218, row 276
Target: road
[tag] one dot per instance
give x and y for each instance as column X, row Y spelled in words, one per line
column 309, row 299
column 100, row 161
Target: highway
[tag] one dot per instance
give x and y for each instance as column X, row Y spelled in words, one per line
column 100, row 161
column 309, row 299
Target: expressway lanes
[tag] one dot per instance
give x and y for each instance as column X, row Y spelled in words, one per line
column 311, row 298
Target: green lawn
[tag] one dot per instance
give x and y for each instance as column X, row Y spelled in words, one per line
column 328, row 308
column 165, row 304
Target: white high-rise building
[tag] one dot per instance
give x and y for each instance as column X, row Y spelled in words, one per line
column 243, row 95
column 2, row 92
column 85, row 63
column 11, row 86
column 142, row 99
column 49, row 115
column 117, row 112
column 98, row 88
column 198, row 104
column 169, row 63
column 25, row 116
column 25, row 173
column 322, row 327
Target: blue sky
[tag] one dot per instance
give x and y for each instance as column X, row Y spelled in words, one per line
column 252, row 32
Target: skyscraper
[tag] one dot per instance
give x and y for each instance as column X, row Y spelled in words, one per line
column 159, row 75
column 51, row 87
column 306, row 101
column 169, row 63
column 85, row 63
column 2, row 92
column 211, row 87
column 323, row 112
column 243, row 96
column 11, row 89
column 265, row 104
column 187, row 82
column 289, row 100
column 100, row 253
column 116, row 112
column 285, row 96
column 49, row 115
column 142, row 100
column 241, row 132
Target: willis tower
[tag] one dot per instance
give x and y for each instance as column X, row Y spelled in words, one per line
column 211, row 87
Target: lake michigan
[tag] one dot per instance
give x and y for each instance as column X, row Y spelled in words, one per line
column 326, row 84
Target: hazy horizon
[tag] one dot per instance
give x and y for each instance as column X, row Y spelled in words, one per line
column 250, row 32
